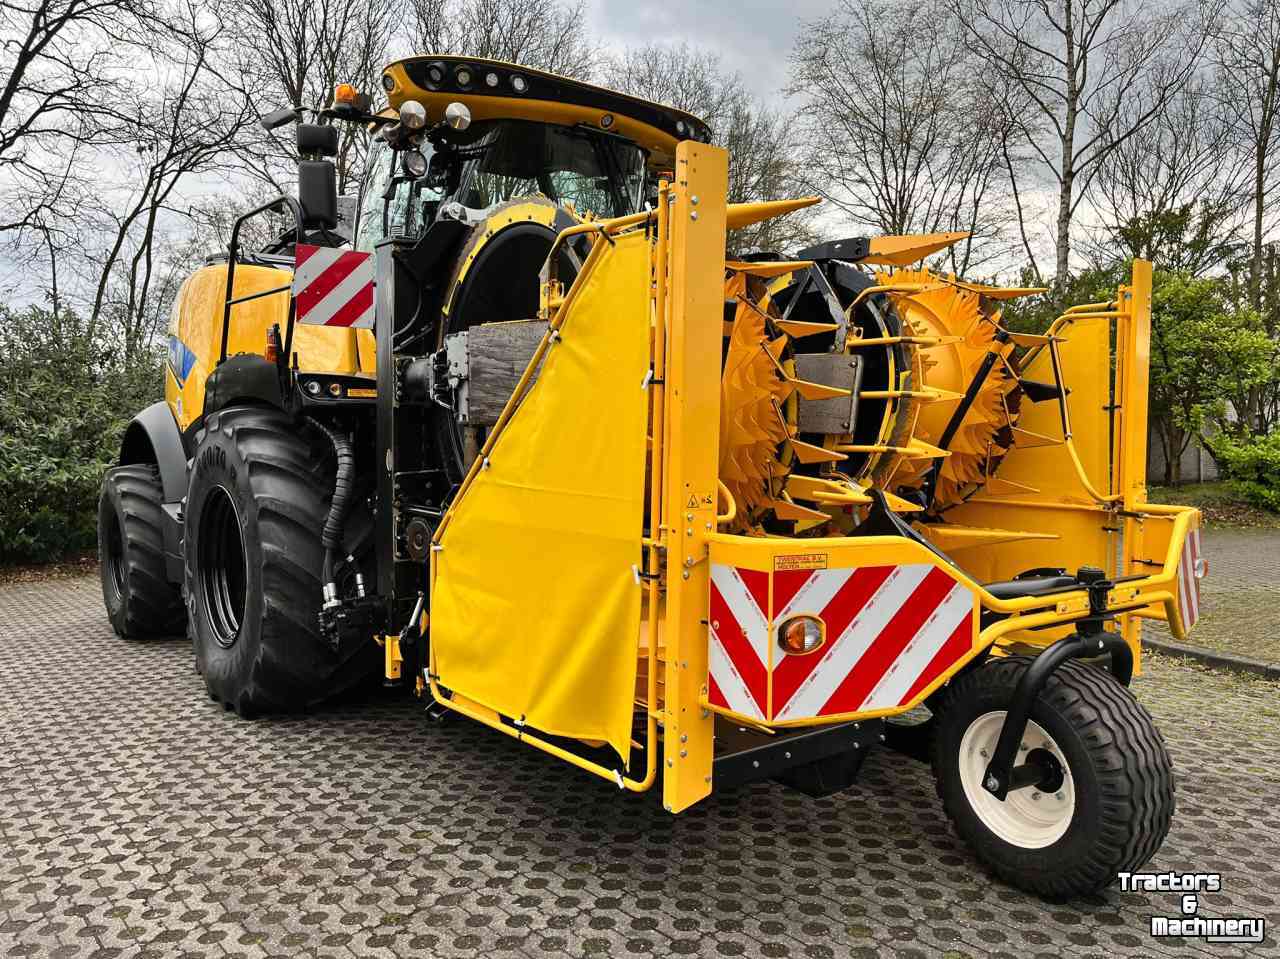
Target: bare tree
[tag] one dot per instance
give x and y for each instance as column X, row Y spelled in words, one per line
column 59, row 80
column 294, row 53
column 681, row 76
column 184, row 127
column 543, row 34
column 759, row 140
column 1174, row 191
column 897, row 130
column 1095, row 73
column 1246, row 51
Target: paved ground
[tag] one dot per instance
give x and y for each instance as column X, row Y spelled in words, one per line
column 137, row 818
column 1241, row 595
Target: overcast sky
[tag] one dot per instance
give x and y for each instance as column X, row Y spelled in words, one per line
column 752, row 37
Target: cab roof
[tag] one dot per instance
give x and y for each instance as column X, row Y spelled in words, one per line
column 494, row 90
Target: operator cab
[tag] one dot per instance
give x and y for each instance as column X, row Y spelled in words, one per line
column 526, row 134
column 495, row 161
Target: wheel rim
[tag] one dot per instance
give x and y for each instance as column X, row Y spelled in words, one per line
column 220, row 569
column 115, row 556
column 1028, row 818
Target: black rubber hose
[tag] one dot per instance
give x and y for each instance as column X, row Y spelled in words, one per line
column 343, row 487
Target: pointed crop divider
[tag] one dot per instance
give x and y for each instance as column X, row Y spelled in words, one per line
column 900, row 505
column 810, row 391
column 918, row 449
column 905, row 250
column 809, row 454
column 785, row 509
column 738, row 215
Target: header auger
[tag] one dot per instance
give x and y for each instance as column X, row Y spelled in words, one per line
column 532, row 447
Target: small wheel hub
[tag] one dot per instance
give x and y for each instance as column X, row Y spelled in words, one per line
column 1030, row 818
column 220, row 573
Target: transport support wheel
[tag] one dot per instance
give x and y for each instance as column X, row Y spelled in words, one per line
column 1103, row 795
column 1027, row 818
column 257, row 502
column 136, row 591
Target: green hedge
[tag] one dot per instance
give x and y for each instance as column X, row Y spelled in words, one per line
column 1252, row 467
column 65, row 400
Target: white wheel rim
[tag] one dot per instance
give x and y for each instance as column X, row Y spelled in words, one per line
column 1027, row 818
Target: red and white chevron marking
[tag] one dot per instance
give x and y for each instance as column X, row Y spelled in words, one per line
column 333, row 287
column 891, row 631
column 1191, row 570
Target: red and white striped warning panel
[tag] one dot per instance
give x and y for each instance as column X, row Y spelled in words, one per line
column 890, row 632
column 333, row 287
column 1191, row 569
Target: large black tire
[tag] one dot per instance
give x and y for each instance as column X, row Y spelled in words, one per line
column 1113, row 806
column 140, row 600
column 259, row 494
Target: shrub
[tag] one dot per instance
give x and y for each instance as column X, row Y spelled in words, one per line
column 1252, row 467
column 65, row 400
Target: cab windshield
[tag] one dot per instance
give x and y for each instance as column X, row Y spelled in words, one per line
column 411, row 205
column 575, row 166
column 498, row 160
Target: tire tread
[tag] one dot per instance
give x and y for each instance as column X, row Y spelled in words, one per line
column 153, row 605
column 1129, row 757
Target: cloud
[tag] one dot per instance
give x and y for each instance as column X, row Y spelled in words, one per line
column 752, row 37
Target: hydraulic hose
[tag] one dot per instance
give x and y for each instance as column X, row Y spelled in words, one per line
column 343, row 487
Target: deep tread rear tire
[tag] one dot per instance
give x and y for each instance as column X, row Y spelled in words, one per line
column 140, row 600
column 277, row 474
column 1121, row 771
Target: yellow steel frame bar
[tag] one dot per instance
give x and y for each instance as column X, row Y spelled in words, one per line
column 691, row 445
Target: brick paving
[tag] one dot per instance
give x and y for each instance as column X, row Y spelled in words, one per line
column 1240, row 609
column 137, row 818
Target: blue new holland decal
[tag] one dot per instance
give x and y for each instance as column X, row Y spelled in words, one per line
column 181, row 359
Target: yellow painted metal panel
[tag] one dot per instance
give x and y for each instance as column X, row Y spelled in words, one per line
column 535, row 608
column 770, row 554
column 691, row 447
column 1056, row 503
column 1134, row 374
column 198, row 324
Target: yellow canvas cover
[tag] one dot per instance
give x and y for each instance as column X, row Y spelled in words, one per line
column 535, row 608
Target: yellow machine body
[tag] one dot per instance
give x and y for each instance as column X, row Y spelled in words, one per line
column 635, row 579
column 195, row 334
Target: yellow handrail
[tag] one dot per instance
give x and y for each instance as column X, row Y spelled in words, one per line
column 733, row 504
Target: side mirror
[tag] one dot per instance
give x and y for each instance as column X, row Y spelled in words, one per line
column 318, row 194
column 320, row 139
column 278, row 118
column 457, row 116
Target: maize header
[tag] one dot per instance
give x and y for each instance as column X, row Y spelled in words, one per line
column 527, row 442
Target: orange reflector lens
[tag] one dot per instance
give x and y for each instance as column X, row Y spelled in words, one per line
column 800, row 635
column 345, row 94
